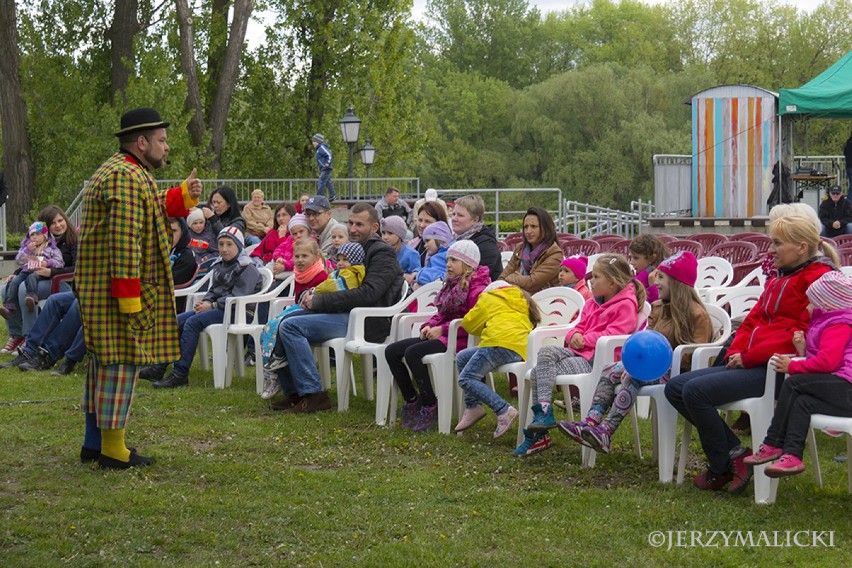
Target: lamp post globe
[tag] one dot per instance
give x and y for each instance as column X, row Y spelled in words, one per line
column 350, row 125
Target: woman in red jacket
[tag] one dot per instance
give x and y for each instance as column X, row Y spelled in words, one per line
column 767, row 329
column 280, row 219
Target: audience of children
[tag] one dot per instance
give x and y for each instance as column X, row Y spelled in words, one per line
column 38, row 250
column 503, row 317
column 465, row 280
column 646, row 252
column 681, row 317
column 393, row 233
column 572, row 273
column 819, row 384
column 233, row 275
column 612, row 311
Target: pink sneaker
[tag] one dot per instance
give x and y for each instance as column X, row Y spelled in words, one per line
column 787, row 465
column 765, row 453
column 505, row 421
column 470, row 417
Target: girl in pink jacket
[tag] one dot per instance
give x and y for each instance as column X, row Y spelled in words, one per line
column 819, row 384
column 613, row 311
column 465, row 280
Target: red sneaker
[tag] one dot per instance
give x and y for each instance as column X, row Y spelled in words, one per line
column 709, row 481
column 12, row 344
column 741, row 473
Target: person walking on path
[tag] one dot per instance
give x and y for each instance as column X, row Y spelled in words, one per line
column 323, row 157
column 124, row 281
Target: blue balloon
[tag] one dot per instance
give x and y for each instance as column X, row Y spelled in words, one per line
column 647, row 355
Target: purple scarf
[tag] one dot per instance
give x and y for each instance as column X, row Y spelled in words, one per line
column 530, row 255
column 475, row 228
column 451, row 297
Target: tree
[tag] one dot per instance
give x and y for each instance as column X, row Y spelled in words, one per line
column 125, row 26
column 18, row 161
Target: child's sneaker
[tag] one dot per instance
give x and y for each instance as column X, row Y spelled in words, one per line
column 275, row 362
column 574, row 430
column 534, row 442
column 542, row 420
column 427, row 418
column 833, row 433
column 12, row 344
column 765, row 453
column 470, row 417
column 597, row 438
column 270, row 386
column 410, row 412
column 31, row 302
column 505, row 421
column 787, row 465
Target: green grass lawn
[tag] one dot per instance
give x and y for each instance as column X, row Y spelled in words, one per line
column 236, row 484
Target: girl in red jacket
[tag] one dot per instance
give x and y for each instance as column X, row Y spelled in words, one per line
column 767, row 329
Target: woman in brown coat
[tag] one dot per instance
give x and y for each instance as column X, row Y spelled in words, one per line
column 535, row 263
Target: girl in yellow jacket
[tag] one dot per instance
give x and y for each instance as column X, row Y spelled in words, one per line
column 503, row 317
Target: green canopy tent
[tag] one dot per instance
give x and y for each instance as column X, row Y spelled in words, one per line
column 828, row 95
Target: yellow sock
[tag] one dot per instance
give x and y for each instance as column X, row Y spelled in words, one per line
column 112, row 445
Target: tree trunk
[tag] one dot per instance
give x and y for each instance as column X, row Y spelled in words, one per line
column 17, row 154
column 196, row 126
column 227, row 79
column 125, row 26
column 218, row 37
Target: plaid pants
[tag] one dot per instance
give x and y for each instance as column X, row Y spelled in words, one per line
column 108, row 392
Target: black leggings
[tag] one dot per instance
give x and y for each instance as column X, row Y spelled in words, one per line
column 801, row 396
column 412, row 351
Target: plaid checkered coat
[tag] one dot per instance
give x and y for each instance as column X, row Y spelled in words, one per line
column 124, row 253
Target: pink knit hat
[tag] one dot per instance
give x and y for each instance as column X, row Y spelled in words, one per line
column 296, row 220
column 831, row 291
column 465, row 251
column 577, row 264
column 681, row 266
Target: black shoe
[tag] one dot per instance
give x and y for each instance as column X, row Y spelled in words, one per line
column 66, row 368
column 41, row 361
column 249, row 360
column 135, row 460
column 20, row 358
column 154, row 373
column 171, row 381
column 89, row 455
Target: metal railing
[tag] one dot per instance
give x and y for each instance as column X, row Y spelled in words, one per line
column 289, row 189
column 548, row 198
column 586, row 220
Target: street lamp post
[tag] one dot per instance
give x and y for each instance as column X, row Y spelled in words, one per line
column 350, row 125
column 368, row 155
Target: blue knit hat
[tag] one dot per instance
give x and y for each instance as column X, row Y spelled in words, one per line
column 235, row 235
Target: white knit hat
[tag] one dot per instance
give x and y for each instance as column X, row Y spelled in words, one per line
column 194, row 215
column 465, row 251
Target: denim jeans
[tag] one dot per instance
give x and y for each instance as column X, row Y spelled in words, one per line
column 48, row 320
column 78, row 347
column 21, row 320
column 801, row 396
column 324, row 182
column 190, row 326
column 696, row 395
column 296, row 334
column 476, row 362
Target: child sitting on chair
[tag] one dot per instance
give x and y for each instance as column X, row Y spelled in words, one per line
column 234, row 275
column 820, row 384
column 572, row 274
column 38, row 250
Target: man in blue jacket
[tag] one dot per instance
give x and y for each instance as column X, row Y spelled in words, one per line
column 323, row 157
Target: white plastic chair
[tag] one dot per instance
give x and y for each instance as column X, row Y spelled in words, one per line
column 189, row 292
column 242, row 325
column 585, row 382
column 663, row 414
column 357, row 344
column 759, row 409
column 225, row 351
column 714, row 271
column 827, row 422
column 739, row 301
column 709, row 292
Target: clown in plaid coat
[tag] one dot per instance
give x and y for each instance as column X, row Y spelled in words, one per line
column 124, row 261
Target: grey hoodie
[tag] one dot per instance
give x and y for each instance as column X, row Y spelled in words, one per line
column 238, row 277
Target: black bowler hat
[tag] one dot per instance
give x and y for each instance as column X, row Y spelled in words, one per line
column 140, row 119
